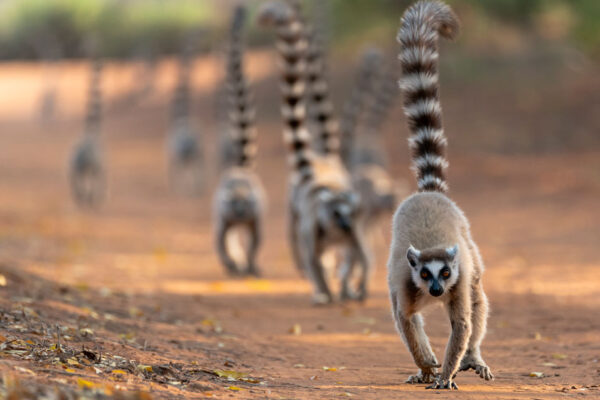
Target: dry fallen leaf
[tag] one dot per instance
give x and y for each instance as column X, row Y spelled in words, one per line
column 147, row 368
column 83, row 384
column 118, row 372
column 25, row 370
column 536, row 374
column 559, row 356
column 2, row 280
column 85, row 332
column 296, row 329
column 234, row 388
column 229, row 374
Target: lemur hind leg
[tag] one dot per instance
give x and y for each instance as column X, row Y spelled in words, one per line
column 311, row 257
column 294, row 243
column 347, row 269
column 363, row 256
column 253, row 246
column 223, row 249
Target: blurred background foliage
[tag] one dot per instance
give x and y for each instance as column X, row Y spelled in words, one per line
column 127, row 27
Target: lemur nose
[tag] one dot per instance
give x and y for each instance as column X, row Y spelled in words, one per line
column 436, row 291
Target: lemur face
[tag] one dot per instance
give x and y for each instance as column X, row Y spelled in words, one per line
column 434, row 271
column 242, row 204
column 338, row 211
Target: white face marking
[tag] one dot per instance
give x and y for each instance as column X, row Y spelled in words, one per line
column 434, row 267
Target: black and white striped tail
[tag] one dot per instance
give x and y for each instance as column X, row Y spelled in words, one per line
column 368, row 71
column 292, row 46
column 321, row 106
column 181, row 102
column 93, row 116
column 420, row 28
column 385, row 94
column 241, row 111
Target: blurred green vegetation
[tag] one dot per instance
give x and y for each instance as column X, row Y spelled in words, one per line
column 120, row 26
column 126, row 26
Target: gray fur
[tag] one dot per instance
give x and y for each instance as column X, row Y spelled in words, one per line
column 239, row 202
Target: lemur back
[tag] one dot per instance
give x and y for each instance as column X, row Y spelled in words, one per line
column 322, row 205
column 433, row 258
column 239, row 199
column 184, row 150
column 87, row 172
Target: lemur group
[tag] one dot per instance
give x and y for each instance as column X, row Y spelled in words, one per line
column 339, row 186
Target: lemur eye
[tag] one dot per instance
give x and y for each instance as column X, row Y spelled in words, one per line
column 446, row 273
column 424, row 274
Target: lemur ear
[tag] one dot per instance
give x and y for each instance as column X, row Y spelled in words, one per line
column 452, row 251
column 413, row 256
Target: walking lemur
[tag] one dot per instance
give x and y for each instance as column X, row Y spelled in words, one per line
column 433, row 258
column 239, row 199
column 323, row 207
column 184, row 149
column 86, row 170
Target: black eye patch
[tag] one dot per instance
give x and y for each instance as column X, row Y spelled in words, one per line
column 425, row 274
column 445, row 272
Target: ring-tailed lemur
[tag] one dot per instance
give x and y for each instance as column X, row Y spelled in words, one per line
column 239, row 199
column 433, row 258
column 87, row 173
column 184, row 150
column 354, row 107
column 323, row 206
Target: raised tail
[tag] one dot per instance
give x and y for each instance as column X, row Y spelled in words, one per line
column 321, row 106
column 292, row 47
column 93, row 117
column 421, row 26
column 368, row 70
column 241, row 111
column 182, row 96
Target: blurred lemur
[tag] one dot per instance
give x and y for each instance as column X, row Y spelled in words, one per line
column 239, row 199
column 184, row 149
column 323, row 207
column 433, row 258
column 86, row 171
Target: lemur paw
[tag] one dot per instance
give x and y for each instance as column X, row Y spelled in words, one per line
column 232, row 271
column 253, row 270
column 321, row 299
column 447, row 384
column 478, row 365
column 348, row 294
column 423, row 377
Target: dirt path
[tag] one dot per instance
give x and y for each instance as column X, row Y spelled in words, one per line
column 137, row 284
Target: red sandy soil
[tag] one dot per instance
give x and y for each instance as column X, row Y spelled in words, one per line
column 139, row 279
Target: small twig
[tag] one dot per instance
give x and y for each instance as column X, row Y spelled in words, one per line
column 58, row 347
